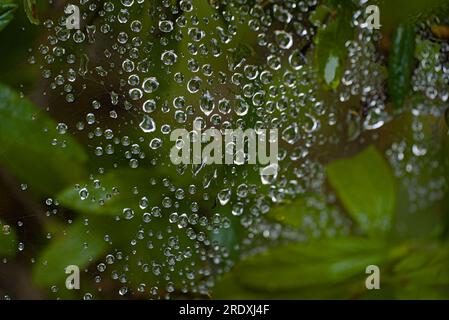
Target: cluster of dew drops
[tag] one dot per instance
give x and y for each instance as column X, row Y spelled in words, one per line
column 136, row 70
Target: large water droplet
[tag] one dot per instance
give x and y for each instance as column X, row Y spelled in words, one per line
column 147, row 125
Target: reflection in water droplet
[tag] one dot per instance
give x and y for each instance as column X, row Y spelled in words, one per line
column 150, row 85
column 147, row 125
column 269, row 173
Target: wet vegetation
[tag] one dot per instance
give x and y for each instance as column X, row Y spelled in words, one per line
column 86, row 177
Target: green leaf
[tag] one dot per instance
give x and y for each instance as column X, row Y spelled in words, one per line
column 77, row 246
column 115, row 193
column 331, row 51
column 423, row 273
column 124, row 188
column 6, row 13
column 426, row 264
column 8, row 240
column 401, row 63
column 31, row 11
column 429, row 50
column 26, row 137
column 292, row 213
column 228, row 288
column 319, row 15
column 366, row 187
column 294, row 270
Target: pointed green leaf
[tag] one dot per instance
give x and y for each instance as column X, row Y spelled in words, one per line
column 26, row 138
column 31, row 11
column 366, row 187
column 77, row 246
column 401, row 63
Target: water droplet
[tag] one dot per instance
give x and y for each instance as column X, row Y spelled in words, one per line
column 147, row 125
column 169, row 57
column 84, row 194
column 283, row 39
column 150, row 85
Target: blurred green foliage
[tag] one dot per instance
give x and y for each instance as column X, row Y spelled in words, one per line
column 366, row 187
column 6, row 13
column 331, row 51
column 27, row 151
column 401, row 63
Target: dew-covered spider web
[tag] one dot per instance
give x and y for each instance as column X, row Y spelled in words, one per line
column 140, row 226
